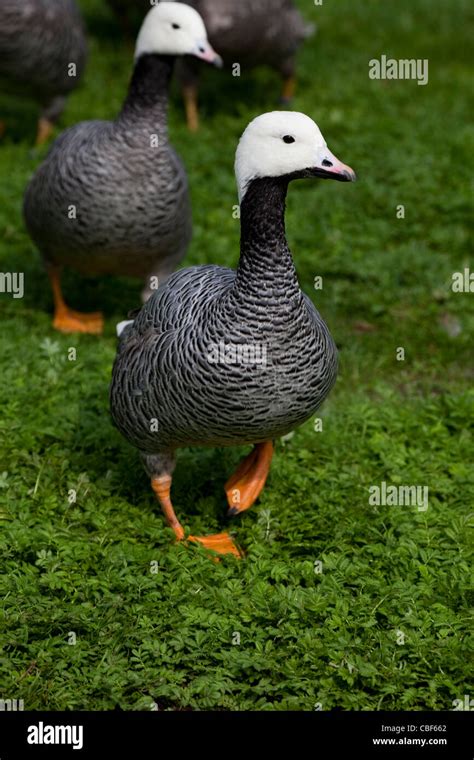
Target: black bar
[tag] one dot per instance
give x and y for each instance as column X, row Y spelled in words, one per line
column 318, row 735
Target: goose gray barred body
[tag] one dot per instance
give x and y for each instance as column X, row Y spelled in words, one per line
column 131, row 199
column 39, row 40
column 223, row 357
column 112, row 196
column 178, row 356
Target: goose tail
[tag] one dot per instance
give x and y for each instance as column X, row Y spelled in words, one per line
column 123, row 328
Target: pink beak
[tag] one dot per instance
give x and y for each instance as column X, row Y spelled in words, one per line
column 205, row 52
column 329, row 167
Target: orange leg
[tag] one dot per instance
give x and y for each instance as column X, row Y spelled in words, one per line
column 221, row 543
column 245, row 485
column 288, row 92
column 162, row 488
column 65, row 319
column 44, row 131
column 191, row 105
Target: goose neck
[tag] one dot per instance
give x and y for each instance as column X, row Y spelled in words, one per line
column 266, row 264
column 147, row 97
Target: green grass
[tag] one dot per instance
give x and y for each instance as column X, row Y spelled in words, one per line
column 385, row 624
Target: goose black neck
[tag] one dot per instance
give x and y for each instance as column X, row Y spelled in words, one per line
column 147, row 96
column 264, row 254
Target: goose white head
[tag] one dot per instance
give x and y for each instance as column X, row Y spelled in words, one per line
column 175, row 29
column 285, row 143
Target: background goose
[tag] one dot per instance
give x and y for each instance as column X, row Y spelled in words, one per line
column 39, row 40
column 251, row 33
column 221, row 357
column 112, row 196
column 248, row 32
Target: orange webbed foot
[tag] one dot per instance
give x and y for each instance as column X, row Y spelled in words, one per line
column 221, row 543
column 69, row 321
column 245, row 485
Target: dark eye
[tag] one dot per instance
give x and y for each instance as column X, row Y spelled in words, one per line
column 176, row 26
column 288, row 139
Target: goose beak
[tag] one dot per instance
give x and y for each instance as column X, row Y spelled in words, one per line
column 329, row 167
column 205, row 52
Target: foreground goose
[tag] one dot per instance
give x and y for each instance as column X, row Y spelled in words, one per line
column 43, row 52
column 112, row 196
column 220, row 357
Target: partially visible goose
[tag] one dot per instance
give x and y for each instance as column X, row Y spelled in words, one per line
column 250, row 33
column 112, row 196
column 43, row 51
column 219, row 357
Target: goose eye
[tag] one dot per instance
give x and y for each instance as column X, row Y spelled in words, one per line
column 176, row 26
column 288, row 139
